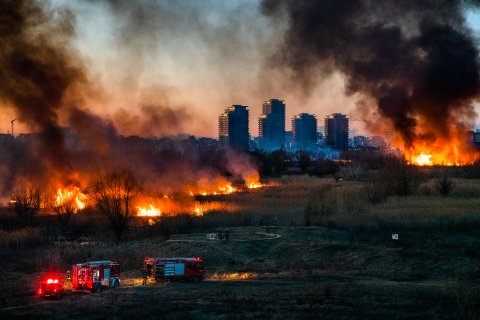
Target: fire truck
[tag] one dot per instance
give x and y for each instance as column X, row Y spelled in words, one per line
column 173, row 269
column 95, row 275
column 51, row 286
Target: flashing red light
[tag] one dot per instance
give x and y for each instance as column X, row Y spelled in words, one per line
column 40, row 291
column 52, row 281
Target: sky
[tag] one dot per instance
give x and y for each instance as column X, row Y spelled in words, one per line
column 191, row 59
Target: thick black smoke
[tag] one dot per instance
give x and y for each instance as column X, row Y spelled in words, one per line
column 417, row 59
column 38, row 69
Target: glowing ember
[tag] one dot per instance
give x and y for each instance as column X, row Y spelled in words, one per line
column 254, row 185
column 221, row 189
column 253, row 182
column 198, row 211
column 70, row 195
column 148, row 212
column 234, row 276
column 422, row 160
column 227, row 189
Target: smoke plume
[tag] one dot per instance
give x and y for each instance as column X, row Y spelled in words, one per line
column 39, row 71
column 46, row 82
column 416, row 59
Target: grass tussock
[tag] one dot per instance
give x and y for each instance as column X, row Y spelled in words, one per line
column 21, row 238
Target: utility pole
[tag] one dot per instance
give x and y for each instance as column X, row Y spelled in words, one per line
column 13, row 136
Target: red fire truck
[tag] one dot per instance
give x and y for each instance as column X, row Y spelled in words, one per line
column 51, row 286
column 172, row 269
column 95, row 275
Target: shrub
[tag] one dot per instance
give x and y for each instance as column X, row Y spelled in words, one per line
column 353, row 200
column 353, row 171
column 395, row 178
column 26, row 203
column 279, row 161
column 323, row 202
column 323, row 168
column 445, row 185
column 404, row 178
column 425, row 189
column 376, row 191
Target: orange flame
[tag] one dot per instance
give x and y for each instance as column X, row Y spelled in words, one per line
column 227, row 189
column 451, row 146
column 151, row 211
column 198, row 211
column 422, row 159
column 234, row 276
column 445, row 154
column 69, row 193
column 253, row 182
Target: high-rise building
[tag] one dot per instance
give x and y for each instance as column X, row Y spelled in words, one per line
column 233, row 127
column 223, row 128
column 336, row 131
column 271, row 125
column 304, row 128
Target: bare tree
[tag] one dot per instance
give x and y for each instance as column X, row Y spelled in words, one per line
column 322, row 203
column 25, row 202
column 113, row 195
column 445, row 185
column 65, row 206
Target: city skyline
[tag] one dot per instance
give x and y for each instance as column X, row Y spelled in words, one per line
column 192, row 62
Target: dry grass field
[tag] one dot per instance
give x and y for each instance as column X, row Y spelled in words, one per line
column 339, row 261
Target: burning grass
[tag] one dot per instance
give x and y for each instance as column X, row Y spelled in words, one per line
column 152, row 207
column 234, row 276
column 70, row 196
column 287, row 199
column 456, row 151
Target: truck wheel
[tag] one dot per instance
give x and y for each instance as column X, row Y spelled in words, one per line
column 97, row 287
